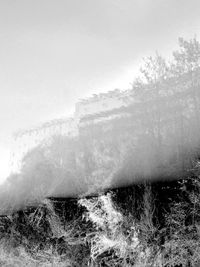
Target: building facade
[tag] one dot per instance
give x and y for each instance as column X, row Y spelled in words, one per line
column 98, row 105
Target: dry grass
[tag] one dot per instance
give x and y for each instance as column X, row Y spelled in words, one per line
column 103, row 236
column 23, row 243
column 116, row 241
column 19, row 257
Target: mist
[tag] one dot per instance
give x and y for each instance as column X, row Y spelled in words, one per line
column 154, row 137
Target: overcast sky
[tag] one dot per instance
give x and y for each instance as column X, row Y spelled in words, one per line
column 53, row 52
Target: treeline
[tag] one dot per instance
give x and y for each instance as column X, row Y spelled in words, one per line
column 158, row 134
column 154, row 138
column 134, row 180
column 168, row 113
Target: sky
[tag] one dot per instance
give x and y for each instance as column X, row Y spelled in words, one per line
column 54, row 52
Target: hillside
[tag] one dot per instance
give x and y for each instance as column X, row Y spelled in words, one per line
column 125, row 190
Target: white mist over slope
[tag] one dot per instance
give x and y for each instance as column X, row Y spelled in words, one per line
column 4, row 164
column 53, row 53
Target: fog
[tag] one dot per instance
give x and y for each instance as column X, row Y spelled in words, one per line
column 52, row 54
column 155, row 137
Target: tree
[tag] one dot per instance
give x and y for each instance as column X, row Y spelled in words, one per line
column 187, row 58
